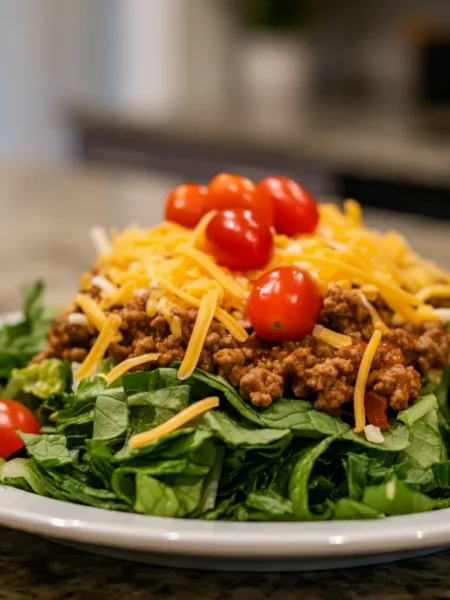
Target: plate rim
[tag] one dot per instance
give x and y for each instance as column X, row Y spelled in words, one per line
column 84, row 524
column 56, row 519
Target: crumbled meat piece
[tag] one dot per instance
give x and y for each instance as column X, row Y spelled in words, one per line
column 344, row 311
column 398, row 384
column 439, row 302
column 144, row 345
column 74, row 354
column 331, row 379
column 332, row 399
column 171, row 349
column 228, row 358
column 230, row 364
column 424, row 345
column 261, row 386
column 119, row 352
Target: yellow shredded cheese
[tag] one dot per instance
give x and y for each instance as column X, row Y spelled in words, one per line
column 236, row 330
column 128, row 364
column 94, row 313
column 204, row 261
column 176, row 327
column 370, row 292
column 390, row 290
column 92, row 310
column 337, row 340
column 151, row 306
column 199, row 231
column 353, row 212
column 377, row 321
column 205, row 315
column 182, row 418
column 361, row 381
column 120, row 296
column 98, row 350
column 434, row 291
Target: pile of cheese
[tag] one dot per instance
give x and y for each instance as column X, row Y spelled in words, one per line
column 173, row 266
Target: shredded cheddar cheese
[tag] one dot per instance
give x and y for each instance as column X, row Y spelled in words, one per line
column 236, row 330
column 172, row 264
column 120, row 296
column 92, row 310
column 361, row 380
column 199, row 231
column 204, row 318
column 225, row 280
column 337, row 340
column 98, row 350
column 128, row 364
column 182, row 418
column 434, row 291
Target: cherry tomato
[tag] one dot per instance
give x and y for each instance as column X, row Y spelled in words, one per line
column 284, row 304
column 14, row 415
column 376, row 408
column 295, row 208
column 238, row 241
column 185, row 204
column 233, row 191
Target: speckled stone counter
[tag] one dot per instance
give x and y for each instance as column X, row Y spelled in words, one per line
column 46, row 218
column 31, row 568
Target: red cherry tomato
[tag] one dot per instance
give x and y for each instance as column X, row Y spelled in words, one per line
column 284, row 304
column 14, row 415
column 238, row 241
column 295, row 208
column 185, row 204
column 376, row 408
column 233, row 191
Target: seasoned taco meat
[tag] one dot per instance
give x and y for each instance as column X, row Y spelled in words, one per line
column 263, row 371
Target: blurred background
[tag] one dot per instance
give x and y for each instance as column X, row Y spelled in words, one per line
column 120, row 99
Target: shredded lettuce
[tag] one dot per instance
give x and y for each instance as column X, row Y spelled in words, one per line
column 288, row 462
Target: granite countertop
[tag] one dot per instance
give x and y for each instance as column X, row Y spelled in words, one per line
column 31, row 568
column 46, row 220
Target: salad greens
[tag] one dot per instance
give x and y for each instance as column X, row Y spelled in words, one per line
column 287, row 462
column 19, row 342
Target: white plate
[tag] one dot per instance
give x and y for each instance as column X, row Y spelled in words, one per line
column 204, row 544
column 221, row 545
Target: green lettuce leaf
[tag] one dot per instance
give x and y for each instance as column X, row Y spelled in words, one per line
column 349, row 509
column 19, row 342
column 44, row 379
column 48, row 450
column 298, row 483
column 396, row 498
column 418, row 410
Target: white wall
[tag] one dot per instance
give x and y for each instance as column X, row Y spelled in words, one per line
column 150, row 38
column 28, row 126
column 125, row 55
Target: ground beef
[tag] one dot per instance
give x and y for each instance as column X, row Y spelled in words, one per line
column 261, row 386
column 424, row 345
column 263, row 371
column 397, row 384
column 439, row 302
column 344, row 311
